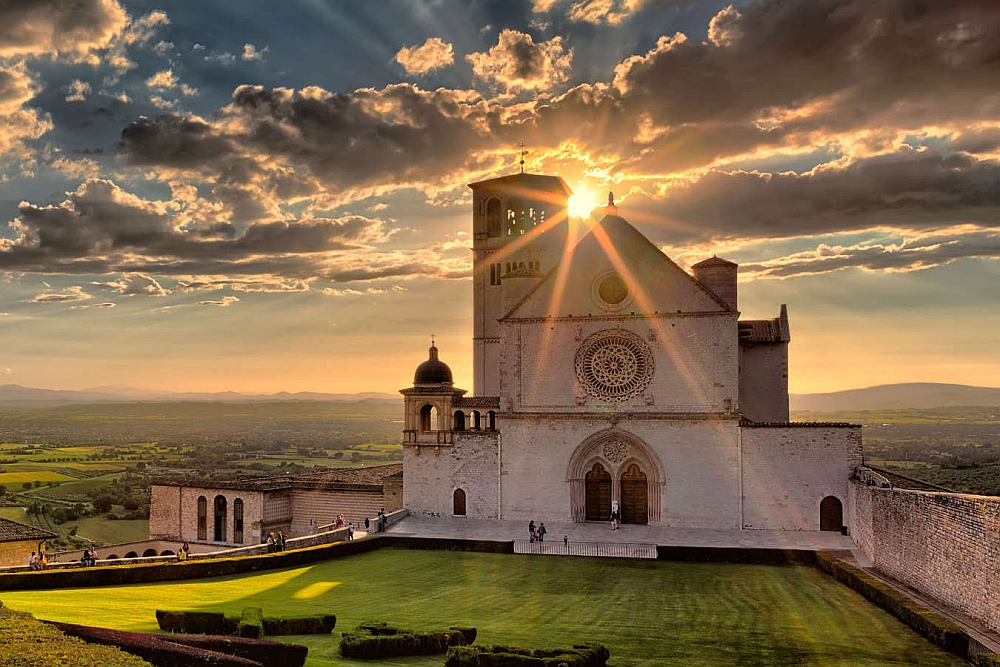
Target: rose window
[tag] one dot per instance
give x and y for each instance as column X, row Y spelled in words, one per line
column 615, row 451
column 614, row 365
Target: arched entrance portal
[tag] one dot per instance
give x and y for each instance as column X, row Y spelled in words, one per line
column 615, row 465
column 633, row 496
column 831, row 514
column 598, row 494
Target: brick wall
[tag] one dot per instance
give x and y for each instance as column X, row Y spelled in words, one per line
column 946, row 545
column 323, row 506
column 173, row 514
column 15, row 554
column 764, row 382
column 787, row 471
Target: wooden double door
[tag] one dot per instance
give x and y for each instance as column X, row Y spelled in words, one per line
column 634, row 494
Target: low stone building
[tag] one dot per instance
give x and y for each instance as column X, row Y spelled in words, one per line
column 244, row 511
column 18, row 540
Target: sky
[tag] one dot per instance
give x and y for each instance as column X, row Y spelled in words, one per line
column 261, row 197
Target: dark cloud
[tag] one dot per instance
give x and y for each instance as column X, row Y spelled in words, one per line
column 37, row 27
column 910, row 189
column 517, row 62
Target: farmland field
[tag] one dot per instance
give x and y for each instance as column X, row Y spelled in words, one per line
column 646, row 612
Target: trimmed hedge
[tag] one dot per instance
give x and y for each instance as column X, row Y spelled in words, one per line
column 270, row 653
column 251, row 623
column 375, row 641
column 27, row 642
column 321, row 624
column 928, row 623
column 157, row 650
column 196, row 622
column 589, row 655
column 216, row 623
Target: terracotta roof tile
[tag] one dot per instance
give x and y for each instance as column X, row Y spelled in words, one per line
column 12, row 531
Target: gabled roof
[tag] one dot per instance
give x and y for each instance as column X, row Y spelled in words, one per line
column 12, row 531
column 656, row 282
column 526, row 182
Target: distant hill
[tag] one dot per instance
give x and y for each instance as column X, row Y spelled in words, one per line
column 16, row 395
column 897, row 397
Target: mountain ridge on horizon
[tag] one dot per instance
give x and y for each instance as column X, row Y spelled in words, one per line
column 880, row 397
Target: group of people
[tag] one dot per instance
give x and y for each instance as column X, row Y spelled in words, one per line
column 275, row 542
column 37, row 561
column 536, row 534
column 89, row 558
column 184, row 552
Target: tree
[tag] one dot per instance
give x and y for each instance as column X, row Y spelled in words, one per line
column 102, row 504
column 26, row 485
column 3, row 490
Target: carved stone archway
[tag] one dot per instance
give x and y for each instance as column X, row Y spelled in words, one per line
column 616, row 451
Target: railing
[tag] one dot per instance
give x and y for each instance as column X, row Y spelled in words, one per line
column 593, row 549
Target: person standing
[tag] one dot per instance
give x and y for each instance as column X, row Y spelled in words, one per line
column 350, row 530
column 531, row 530
column 32, row 561
column 272, row 544
column 281, row 540
column 541, row 532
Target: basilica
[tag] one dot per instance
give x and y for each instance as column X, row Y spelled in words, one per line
column 608, row 378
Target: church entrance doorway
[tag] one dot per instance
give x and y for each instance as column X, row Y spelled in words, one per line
column 634, row 508
column 831, row 514
column 598, row 504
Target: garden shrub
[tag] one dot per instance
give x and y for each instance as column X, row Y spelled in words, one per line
column 590, row 655
column 375, row 641
column 28, row 642
column 196, row 622
column 251, row 623
column 925, row 621
column 155, row 649
column 320, row 624
column 270, row 653
column 470, row 633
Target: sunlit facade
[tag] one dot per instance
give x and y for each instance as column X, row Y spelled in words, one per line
column 608, row 378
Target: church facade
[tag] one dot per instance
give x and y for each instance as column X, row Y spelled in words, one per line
column 606, row 377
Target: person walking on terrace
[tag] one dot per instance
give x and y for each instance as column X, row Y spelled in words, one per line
column 541, row 532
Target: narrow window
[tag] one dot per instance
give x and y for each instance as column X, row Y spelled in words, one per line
column 238, row 521
column 220, row 519
column 202, row 518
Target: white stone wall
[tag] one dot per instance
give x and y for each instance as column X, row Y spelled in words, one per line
column 764, row 382
column 696, row 364
column 699, row 460
column 787, row 471
column 433, row 473
column 946, row 545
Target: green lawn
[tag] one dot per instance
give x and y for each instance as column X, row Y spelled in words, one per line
column 645, row 612
column 109, row 532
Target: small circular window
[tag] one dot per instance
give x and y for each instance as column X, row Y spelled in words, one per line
column 612, row 290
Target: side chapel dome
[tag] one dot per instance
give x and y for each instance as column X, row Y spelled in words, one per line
column 432, row 371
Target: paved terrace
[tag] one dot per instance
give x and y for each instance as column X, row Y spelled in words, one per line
column 492, row 529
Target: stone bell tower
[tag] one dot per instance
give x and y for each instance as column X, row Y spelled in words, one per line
column 520, row 228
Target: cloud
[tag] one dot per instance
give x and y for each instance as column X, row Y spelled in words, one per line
column 250, row 52
column 6, row 371
column 74, row 29
column 914, row 253
column 131, row 284
column 81, row 168
column 106, row 304
column 70, row 294
column 77, row 91
column 518, row 63
column 163, row 80
column 18, row 121
column 429, row 56
column 224, row 301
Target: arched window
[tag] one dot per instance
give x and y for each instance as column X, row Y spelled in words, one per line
column 131, row 554
column 148, row 552
column 428, row 418
column 493, row 217
column 167, row 552
column 508, row 268
column 238, row 521
column 202, row 518
column 476, row 424
column 220, row 519
column 459, row 420
column 459, row 503
column 491, row 420
column 516, row 217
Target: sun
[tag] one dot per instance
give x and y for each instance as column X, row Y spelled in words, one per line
column 581, row 203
